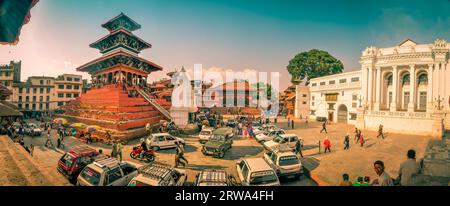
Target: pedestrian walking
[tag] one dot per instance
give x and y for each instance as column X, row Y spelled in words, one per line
column 361, row 139
column 48, row 140
column 346, row 141
column 345, row 180
column 114, row 150
column 250, row 131
column 380, row 131
column 58, row 143
column 180, row 155
column 289, row 122
column 408, row 168
column 245, row 131
column 298, row 148
column 383, row 177
column 356, row 135
column 119, row 150
column 324, row 127
column 292, row 124
column 327, row 144
column 306, row 122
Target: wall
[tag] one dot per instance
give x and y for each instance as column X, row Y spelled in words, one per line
column 400, row 122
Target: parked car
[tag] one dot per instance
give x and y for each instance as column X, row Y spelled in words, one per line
column 263, row 128
column 219, row 143
column 163, row 141
column 204, row 135
column 256, row 172
column 284, row 162
column 33, row 130
column 286, row 139
column 106, row 171
column 215, row 178
column 231, row 123
column 159, row 175
column 269, row 135
column 72, row 162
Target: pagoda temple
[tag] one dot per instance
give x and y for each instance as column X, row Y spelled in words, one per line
column 118, row 100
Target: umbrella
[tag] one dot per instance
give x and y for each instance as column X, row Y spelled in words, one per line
column 78, row 125
column 92, row 128
column 60, row 120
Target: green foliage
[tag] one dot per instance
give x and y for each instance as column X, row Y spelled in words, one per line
column 314, row 63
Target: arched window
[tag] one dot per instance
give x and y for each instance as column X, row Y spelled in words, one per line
column 405, row 79
column 422, row 79
column 389, row 80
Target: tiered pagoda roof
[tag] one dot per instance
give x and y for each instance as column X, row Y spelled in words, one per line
column 120, row 47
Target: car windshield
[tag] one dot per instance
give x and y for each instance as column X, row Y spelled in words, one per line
column 90, row 176
column 288, row 160
column 278, row 139
column 217, row 137
column 205, row 132
column 265, row 177
column 67, row 160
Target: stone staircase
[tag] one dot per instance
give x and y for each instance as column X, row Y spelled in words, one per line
column 111, row 108
column 19, row 168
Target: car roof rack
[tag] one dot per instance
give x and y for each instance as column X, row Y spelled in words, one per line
column 213, row 176
column 80, row 149
column 104, row 161
column 154, row 171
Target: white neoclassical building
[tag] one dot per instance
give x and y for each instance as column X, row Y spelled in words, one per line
column 336, row 97
column 406, row 88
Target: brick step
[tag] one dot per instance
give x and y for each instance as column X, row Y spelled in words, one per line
column 115, row 125
column 112, row 108
column 115, row 117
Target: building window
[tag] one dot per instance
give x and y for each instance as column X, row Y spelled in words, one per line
column 313, row 112
column 60, row 95
column 48, row 90
column 76, row 87
column 33, row 107
column 41, row 98
column 352, row 116
column 405, row 80
column 6, row 83
column 389, row 80
column 355, row 79
column 313, row 97
column 20, row 98
column 314, row 84
column 42, row 90
column 343, row 93
column 6, row 74
column 20, row 106
column 304, row 95
column 27, row 106
column 69, row 95
column 28, row 90
column 47, row 106
column 60, row 86
column 304, row 102
column 354, row 105
column 48, row 82
column 34, row 98
column 60, row 104
column 332, row 82
column 355, row 97
column 76, row 95
column 406, row 100
column 27, row 99
column 40, row 106
column 322, row 83
column 69, row 87
column 77, row 79
column 48, row 98
column 343, row 81
column 34, row 90
column 331, row 97
column 312, row 103
column 41, row 82
column 69, row 79
column 20, row 90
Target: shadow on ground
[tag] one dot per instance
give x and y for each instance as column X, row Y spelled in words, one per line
column 237, row 152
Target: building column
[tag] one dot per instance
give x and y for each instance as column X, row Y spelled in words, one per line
column 364, row 86
column 412, row 88
column 393, row 106
column 377, row 104
column 370, row 89
column 430, row 106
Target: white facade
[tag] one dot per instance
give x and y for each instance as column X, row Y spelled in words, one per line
column 406, row 87
column 336, row 97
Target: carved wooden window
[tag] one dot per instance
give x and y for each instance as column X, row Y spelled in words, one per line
column 331, row 97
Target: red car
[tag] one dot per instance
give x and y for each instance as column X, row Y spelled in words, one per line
column 72, row 162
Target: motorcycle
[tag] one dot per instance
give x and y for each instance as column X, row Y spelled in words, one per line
column 148, row 156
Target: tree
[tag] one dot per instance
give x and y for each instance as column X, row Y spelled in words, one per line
column 312, row 64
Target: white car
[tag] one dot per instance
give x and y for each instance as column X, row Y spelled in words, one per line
column 163, row 141
column 204, row 135
column 285, row 163
column 159, row 175
column 269, row 135
column 289, row 140
column 106, row 171
column 256, row 172
column 264, row 128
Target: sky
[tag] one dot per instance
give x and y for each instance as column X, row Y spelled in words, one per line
column 239, row 35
